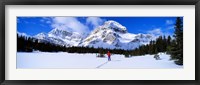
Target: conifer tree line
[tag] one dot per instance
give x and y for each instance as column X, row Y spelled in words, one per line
column 161, row 44
column 28, row 44
column 172, row 46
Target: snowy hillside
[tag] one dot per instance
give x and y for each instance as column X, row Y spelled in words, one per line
column 67, row 60
column 110, row 35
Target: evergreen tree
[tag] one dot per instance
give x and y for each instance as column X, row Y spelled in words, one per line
column 164, row 44
column 168, row 40
column 177, row 46
column 169, row 43
column 151, row 48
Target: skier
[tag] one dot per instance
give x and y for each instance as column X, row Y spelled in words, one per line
column 109, row 59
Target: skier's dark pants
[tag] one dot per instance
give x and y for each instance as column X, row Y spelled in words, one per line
column 109, row 59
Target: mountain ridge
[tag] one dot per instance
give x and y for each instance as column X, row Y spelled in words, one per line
column 110, row 35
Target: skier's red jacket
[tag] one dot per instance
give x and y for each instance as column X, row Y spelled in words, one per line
column 108, row 54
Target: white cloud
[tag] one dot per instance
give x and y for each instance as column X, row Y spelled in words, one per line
column 94, row 21
column 170, row 27
column 169, row 22
column 47, row 20
column 156, row 31
column 168, row 34
column 70, row 24
column 26, row 22
column 43, row 25
column 42, row 20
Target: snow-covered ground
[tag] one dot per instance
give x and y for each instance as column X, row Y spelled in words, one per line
column 90, row 61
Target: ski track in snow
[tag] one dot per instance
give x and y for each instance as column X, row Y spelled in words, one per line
column 62, row 60
column 102, row 64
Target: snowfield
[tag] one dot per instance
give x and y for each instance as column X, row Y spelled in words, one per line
column 37, row 60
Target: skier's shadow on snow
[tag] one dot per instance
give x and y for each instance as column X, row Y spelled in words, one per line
column 107, row 62
column 102, row 65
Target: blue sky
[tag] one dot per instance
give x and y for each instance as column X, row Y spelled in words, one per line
column 154, row 25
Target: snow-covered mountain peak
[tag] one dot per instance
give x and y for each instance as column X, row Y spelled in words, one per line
column 22, row 34
column 41, row 35
column 57, row 32
column 115, row 26
column 113, row 35
column 60, row 37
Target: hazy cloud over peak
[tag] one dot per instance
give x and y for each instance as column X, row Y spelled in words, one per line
column 69, row 23
column 94, row 21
